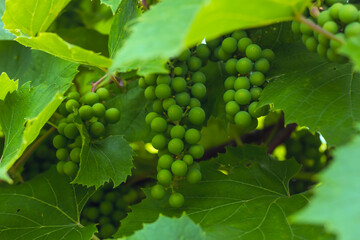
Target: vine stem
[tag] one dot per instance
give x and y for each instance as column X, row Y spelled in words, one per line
column 144, row 4
column 95, row 84
column 33, row 147
column 318, row 29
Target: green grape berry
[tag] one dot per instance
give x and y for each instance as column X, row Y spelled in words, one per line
column 242, row 83
column 74, row 95
column 175, row 146
column 244, row 66
column 158, row 192
column 177, row 131
column 150, row 93
column 324, row 17
column 71, row 105
column 193, row 176
column 103, row 94
column 157, row 106
column 198, row 77
column 243, row 119
column 158, row 124
column 352, row 29
column 311, row 44
column 213, row 43
column 243, row 44
column 196, row 115
column 242, row 96
column 175, row 113
column 203, row 51
column 112, row 115
column 60, row 167
column 86, row 112
column 150, row 116
column 268, row 54
column 192, row 136
column 163, row 79
column 142, row 83
column 168, row 103
column 253, row 52
column 70, row 131
column 188, row 159
column 232, row 107
column 262, row 65
column 106, row 208
column 197, row 151
column 164, row 177
column 179, row 168
column 178, row 71
column 178, row 84
column 295, row 27
column 194, row 102
column 176, row 200
column 162, row 91
column 229, row 45
column 348, row 13
column 59, row 141
column 229, row 82
column 183, row 99
column 257, row 78
column 150, row 79
column 194, row 64
column 159, row 141
column 331, row 26
column 198, row 90
column 239, row 34
column 184, row 55
column 97, row 129
column 75, row 154
column 165, row 161
column 230, row 66
column 229, row 95
column 305, row 29
column 70, row 168
column 99, row 110
column 91, row 98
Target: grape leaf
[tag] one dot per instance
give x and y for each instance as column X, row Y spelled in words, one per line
column 172, row 25
column 102, row 160
column 315, row 93
column 53, row 44
column 351, row 48
column 119, row 29
column 244, row 194
column 169, row 229
column 335, row 203
column 24, row 112
column 7, row 85
column 132, row 106
column 31, row 16
column 47, row 207
column 4, row 34
column 113, row 4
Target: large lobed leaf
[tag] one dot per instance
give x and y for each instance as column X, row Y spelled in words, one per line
column 244, row 194
column 351, row 48
column 4, row 34
column 335, row 203
column 7, row 85
column 172, row 25
column 113, row 4
column 47, row 207
column 315, row 93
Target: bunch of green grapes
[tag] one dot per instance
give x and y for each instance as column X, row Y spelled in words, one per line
column 342, row 20
column 176, row 120
column 108, row 207
column 91, row 110
column 246, row 65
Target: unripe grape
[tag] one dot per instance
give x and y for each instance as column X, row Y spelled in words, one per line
column 73, row 95
column 229, row 45
column 106, row 208
column 167, row 103
column 62, row 109
column 70, row 168
column 163, row 79
column 150, row 93
column 243, row 119
column 352, row 29
column 86, row 112
column 177, row 131
column 184, row 55
column 229, row 95
column 70, row 131
column 162, row 91
column 158, row 124
column 257, row 78
column 324, row 17
column 194, row 102
column 77, row 142
column 194, row 63
column 239, row 34
column 323, row 40
column 203, row 51
column 243, row 44
column 103, row 94
column 165, row 161
column 99, row 110
column 75, row 154
column 178, row 84
column 198, row 77
column 304, row 38
column 262, row 65
column 223, row 55
column 142, row 83
column 183, row 99
column 335, row 44
column 178, row 71
column 175, row 146
column 188, row 159
column 192, row 136
column 311, row 44
column 150, row 79
column 59, row 141
column 193, row 176
column 268, row 54
column 242, row 83
column 61, row 127
column 97, row 129
column 71, row 105
column 179, row 168
column 232, row 107
column 331, row 26
column 229, row 82
column 159, row 141
column 198, row 90
column 244, row 66
column 230, row 66
column 321, row 50
column 197, row 115
column 295, row 27
column 253, row 52
column 157, row 192
column 91, row 98
column 334, row 10
column 164, row 177
column 112, row 115
column 348, row 13
column 175, row 113
column 213, row 43
column 305, row 29
column 157, row 106
column 176, row 200
column 150, row 116
column 60, row 167
column 70, row 118
column 197, row 151
column 242, row 96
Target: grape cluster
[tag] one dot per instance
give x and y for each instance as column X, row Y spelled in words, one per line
column 91, row 110
column 342, row 20
column 108, row 206
column 176, row 120
column 246, row 65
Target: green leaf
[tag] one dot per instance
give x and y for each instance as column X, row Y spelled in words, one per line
column 4, row 34
column 132, row 125
column 335, row 203
column 31, row 16
column 315, row 93
column 7, row 85
column 351, row 48
column 102, row 160
column 244, row 194
column 169, row 229
column 172, row 25
column 113, row 4
column 53, row 44
column 24, row 112
column 119, row 29
column 47, row 207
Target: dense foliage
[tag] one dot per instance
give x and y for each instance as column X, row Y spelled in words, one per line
column 179, row 119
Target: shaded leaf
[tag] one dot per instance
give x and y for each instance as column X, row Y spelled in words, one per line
column 47, row 207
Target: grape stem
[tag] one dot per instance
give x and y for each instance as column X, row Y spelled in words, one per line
column 144, row 4
column 95, row 84
column 318, row 29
